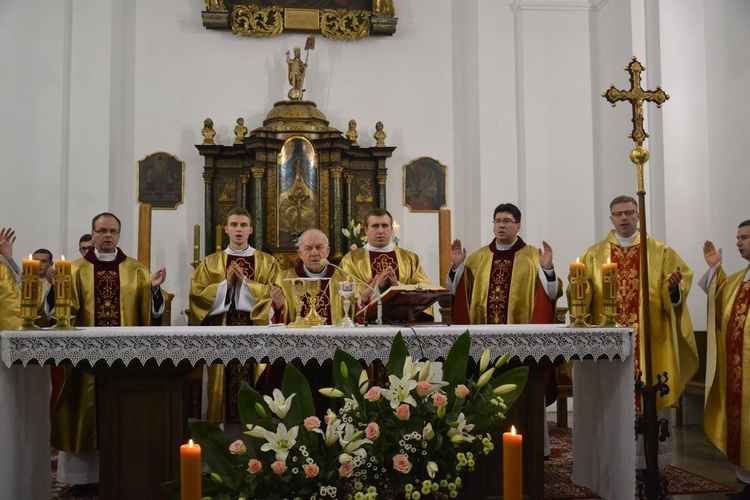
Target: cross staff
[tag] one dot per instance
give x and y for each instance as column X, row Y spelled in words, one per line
column 636, row 95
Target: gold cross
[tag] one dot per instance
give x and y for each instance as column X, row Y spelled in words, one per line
column 636, row 95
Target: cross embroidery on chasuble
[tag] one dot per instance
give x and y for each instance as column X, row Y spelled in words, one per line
column 107, row 303
column 734, row 347
column 499, row 291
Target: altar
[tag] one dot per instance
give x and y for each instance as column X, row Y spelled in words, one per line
column 129, row 360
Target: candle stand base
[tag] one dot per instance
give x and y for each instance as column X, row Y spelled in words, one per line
column 579, row 321
column 28, row 323
column 610, row 322
column 63, row 324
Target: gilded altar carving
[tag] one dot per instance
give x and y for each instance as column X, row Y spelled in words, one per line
column 343, row 24
column 252, row 20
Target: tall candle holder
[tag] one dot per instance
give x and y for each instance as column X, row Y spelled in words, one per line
column 313, row 318
column 578, row 287
column 298, row 291
column 609, row 298
column 63, row 300
column 29, row 294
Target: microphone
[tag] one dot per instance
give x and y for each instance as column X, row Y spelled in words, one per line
column 327, row 262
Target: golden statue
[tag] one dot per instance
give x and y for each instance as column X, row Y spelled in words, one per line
column 215, row 5
column 352, row 134
column 379, row 135
column 296, row 71
column 383, row 8
column 240, row 131
column 208, row 132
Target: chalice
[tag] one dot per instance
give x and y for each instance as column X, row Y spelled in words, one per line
column 298, row 291
column 347, row 290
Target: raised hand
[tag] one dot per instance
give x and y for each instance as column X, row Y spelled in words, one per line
column 545, row 256
column 7, row 239
column 458, row 253
column 712, row 256
column 674, row 279
column 158, row 278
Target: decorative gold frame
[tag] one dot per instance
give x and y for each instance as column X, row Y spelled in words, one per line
column 160, row 204
column 268, row 18
column 425, row 185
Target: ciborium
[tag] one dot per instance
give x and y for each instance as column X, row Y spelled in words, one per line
column 347, row 290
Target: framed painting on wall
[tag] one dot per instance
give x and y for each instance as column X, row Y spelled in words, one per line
column 425, row 185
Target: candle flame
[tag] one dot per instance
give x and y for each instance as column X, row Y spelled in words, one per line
column 190, row 443
column 62, row 257
column 513, row 430
column 31, row 257
column 608, row 262
column 578, row 260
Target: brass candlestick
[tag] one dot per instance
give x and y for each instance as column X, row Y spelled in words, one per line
column 578, row 286
column 29, row 301
column 62, row 302
column 609, row 300
column 313, row 318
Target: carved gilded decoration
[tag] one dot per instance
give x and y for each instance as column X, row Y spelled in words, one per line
column 252, row 20
column 342, row 24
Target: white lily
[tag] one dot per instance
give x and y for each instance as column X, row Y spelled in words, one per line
column 432, row 469
column 352, row 439
column 363, row 382
column 411, row 369
column 459, row 430
column 280, row 441
column 279, row 405
column 255, row 431
column 399, row 391
column 504, row 389
column 334, row 430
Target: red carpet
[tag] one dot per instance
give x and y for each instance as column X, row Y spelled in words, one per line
column 558, row 469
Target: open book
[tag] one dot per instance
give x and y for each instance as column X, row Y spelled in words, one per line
column 403, row 303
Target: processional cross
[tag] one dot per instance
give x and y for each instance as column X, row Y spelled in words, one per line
column 650, row 484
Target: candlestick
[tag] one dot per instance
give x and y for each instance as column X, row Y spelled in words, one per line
column 396, row 233
column 512, row 465
column 578, row 286
column 609, row 292
column 196, row 244
column 190, row 471
column 62, row 294
column 29, row 294
column 219, row 238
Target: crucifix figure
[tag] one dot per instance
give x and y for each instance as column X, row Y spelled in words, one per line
column 636, row 95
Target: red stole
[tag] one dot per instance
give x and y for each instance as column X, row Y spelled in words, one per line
column 235, row 317
column 106, row 289
column 323, row 304
column 734, row 345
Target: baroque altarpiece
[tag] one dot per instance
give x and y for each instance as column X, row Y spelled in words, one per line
column 292, row 173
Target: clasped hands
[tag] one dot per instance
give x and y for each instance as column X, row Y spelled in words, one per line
column 384, row 279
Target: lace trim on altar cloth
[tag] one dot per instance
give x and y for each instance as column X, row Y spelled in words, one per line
column 224, row 344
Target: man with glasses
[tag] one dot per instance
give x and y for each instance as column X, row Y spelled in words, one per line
column 673, row 348
column 107, row 288
column 505, row 282
column 85, row 243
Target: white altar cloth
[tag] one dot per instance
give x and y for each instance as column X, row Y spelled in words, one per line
column 603, row 443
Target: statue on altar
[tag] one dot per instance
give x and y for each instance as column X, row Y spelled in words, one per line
column 352, row 133
column 215, row 5
column 383, row 8
column 208, row 132
column 379, row 135
column 240, row 131
column 296, row 69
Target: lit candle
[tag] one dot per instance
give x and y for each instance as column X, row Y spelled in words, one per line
column 219, row 237
column 512, row 465
column 62, row 281
column 30, row 281
column 577, row 270
column 190, row 471
column 31, row 267
column 609, row 278
column 196, row 243
column 396, row 230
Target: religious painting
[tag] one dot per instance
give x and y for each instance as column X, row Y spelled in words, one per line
column 161, row 181
column 425, row 185
column 297, row 181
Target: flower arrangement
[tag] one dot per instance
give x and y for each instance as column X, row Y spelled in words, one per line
column 412, row 438
column 355, row 235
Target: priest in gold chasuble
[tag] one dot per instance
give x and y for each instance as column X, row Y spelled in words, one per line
column 107, row 289
column 381, row 264
column 232, row 287
column 673, row 348
column 506, row 282
column 10, row 299
column 726, row 419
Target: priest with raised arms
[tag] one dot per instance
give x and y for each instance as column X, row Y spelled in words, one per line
column 380, row 263
column 107, row 288
column 232, row 287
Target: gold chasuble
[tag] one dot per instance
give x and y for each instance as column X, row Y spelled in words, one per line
column 115, row 293
column 365, row 264
column 329, row 302
column 260, row 270
column 10, row 300
column 673, row 348
column 725, row 419
column 503, row 287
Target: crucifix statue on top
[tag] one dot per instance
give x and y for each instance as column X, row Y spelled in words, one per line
column 296, row 69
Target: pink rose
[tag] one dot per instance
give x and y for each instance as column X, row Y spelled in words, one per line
column 278, row 467
column 311, row 470
column 254, row 466
column 312, row 423
column 423, row 388
column 462, row 391
column 346, row 469
column 373, row 394
column 439, row 399
column 372, row 431
column 403, row 412
column 237, row 448
column 353, row 247
column 401, row 463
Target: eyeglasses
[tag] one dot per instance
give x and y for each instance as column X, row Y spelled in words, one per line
column 626, row 213
column 503, row 222
column 104, row 232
